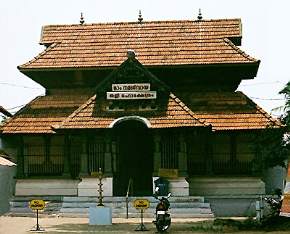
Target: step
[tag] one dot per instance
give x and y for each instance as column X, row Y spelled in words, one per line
column 188, row 207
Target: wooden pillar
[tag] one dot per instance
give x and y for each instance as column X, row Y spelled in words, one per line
column 233, row 148
column 182, row 157
column 83, row 156
column 20, row 158
column 108, row 155
column 157, row 153
column 66, row 165
column 114, row 156
column 209, row 153
column 47, row 164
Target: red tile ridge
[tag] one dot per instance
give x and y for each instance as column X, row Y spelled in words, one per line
column 52, row 46
column 241, row 52
column 143, row 22
column 70, row 117
column 276, row 123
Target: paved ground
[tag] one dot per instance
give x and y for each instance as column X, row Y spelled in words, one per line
column 57, row 225
column 21, row 225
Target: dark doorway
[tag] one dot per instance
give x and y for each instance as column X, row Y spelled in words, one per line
column 134, row 159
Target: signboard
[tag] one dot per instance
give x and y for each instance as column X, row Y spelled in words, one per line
column 168, row 173
column 131, row 95
column 141, row 204
column 131, row 87
column 36, row 204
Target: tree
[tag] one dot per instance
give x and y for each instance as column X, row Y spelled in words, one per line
column 286, row 116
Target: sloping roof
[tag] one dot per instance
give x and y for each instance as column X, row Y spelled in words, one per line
column 176, row 115
column 222, row 110
column 5, row 112
column 40, row 114
column 6, row 162
column 229, row 111
column 156, row 43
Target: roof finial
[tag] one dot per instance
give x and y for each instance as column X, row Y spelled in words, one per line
column 131, row 54
column 140, row 18
column 82, row 18
column 199, row 17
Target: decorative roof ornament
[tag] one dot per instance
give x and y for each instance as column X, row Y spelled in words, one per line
column 131, row 54
column 82, row 20
column 199, row 17
column 140, row 18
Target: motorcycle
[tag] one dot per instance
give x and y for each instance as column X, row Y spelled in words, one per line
column 163, row 219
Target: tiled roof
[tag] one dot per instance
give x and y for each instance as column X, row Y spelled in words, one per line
column 155, row 43
column 222, row 110
column 175, row 114
column 229, row 111
column 39, row 115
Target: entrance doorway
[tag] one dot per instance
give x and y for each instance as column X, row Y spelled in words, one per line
column 134, row 159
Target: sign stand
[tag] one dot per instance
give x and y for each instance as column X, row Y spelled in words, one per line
column 37, row 227
column 37, row 205
column 141, row 204
column 141, row 226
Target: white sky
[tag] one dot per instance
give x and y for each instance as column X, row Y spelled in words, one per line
column 266, row 32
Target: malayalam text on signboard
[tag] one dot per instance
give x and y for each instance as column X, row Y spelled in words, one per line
column 141, row 204
column 131, row 87
column 132, row 95
column 36, row 204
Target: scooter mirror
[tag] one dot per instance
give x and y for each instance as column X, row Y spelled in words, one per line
column 169, row 195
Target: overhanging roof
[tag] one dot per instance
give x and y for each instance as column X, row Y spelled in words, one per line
column 156, row 43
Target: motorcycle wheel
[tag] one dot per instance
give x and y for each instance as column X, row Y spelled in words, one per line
column 161, row 226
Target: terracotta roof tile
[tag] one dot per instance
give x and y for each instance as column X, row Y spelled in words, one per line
column 176, row 115
column 229, row 111
column 155, row 43
column 39, row 115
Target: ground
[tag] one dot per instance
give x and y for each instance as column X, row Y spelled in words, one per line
column 54, row 225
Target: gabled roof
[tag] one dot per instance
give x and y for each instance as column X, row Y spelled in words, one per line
column 40, row 114
column 176, row 115
column 229, row 111
column 5, row 112
column 156, row 43
column 222, row 110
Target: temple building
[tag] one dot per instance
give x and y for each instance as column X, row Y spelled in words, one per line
column 138, row 101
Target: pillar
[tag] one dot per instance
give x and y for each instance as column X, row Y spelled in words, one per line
column 182, row 157
column 20, row 158
column 208, row 154
column 108, row 156
column 157, row 153
column 83, row 157
column 66, row 170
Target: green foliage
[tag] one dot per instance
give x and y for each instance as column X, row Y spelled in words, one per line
column 3, row 119
column 249, row 225
column 226, row 225
column 271, row 147
column 286, row 116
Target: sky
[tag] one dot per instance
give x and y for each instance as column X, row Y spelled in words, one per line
column 265, row 30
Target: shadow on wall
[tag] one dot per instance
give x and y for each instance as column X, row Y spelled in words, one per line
column 7, row 183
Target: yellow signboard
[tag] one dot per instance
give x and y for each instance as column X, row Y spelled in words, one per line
column 36, row 204
column 141, row 204
column 168, row 173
